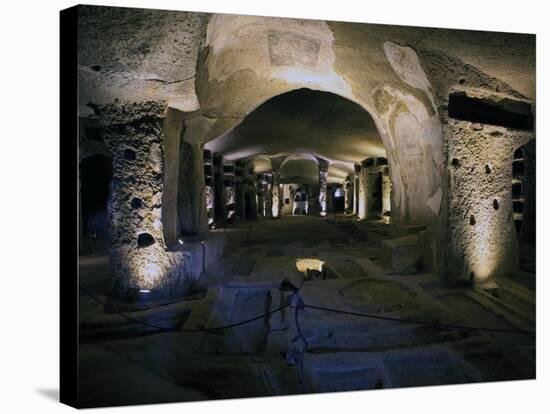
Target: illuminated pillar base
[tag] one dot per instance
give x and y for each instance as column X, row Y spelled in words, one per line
column 139, row 261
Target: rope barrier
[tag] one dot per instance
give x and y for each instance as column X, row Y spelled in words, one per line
column 176, row 330
column 434, row 324
column 297, row 302
column 295, row 353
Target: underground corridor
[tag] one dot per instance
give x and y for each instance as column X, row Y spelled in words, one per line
column 298, row 218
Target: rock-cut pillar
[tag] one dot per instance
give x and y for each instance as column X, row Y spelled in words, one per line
column 193, row 214
column 361, row 192
column 138, row 257
column 261, row 189
column 354, row 189
column 251, row 193
column 323, row 182
column 348, row 195
column 276, row 194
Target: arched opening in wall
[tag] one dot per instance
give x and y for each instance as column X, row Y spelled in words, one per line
column 262, row 194
column 300, row 205
column 302, row 133
column 96, row 173
column 258, row 105
column 302, row 169
column 338, row 197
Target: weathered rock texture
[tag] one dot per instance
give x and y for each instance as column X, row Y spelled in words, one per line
column 276, row 195
column 362, row 190
column 482, row 240
column 137, row 54
column 138, row 256
column 192, row 195
column 388, row 85
column 323, row 197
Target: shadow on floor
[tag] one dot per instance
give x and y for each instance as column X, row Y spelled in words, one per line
column 50, row 393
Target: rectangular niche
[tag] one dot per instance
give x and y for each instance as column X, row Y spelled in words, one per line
column 492, row 110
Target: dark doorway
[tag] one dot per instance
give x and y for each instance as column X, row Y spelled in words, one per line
column 338, row 201
column 248, row 208
column 96, row 173
column 374, row 200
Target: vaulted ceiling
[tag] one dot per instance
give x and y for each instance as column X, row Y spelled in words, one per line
column 304, row 121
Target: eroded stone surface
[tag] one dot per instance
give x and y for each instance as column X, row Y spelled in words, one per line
column 344, row 352
column 313, row 105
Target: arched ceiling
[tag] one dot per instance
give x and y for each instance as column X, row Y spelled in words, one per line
column 305, row 121
column 142, row 54
column 260, row 164
column 303, row 171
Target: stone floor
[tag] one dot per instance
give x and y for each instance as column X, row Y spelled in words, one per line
column 122, row 362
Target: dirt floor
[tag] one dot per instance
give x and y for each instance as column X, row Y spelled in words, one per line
column 123, row 362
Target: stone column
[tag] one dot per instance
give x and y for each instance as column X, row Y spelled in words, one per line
column 276, row 194
column 373, row 177
column 252, row 189
column 193, row 215
column 138, row 257
column 355, row 190
column 347, row 195
column 386, row 194
column 260, row 194
column 360, row 170
column 268, row 197
column 323, row 175
column 219, row 191
column 239, row 200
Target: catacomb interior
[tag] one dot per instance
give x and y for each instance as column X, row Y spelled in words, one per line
column 325, row 182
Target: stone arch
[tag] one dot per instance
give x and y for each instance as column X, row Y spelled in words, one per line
column 299, row 156
column 260, row 164
column 306, row 161
column 235, row 76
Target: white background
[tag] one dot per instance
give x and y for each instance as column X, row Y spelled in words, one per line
column 29, row 206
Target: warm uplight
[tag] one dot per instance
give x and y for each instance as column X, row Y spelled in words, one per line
column 152, row 271
column 275, row 210
column 326, row 80
column 303, row 265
